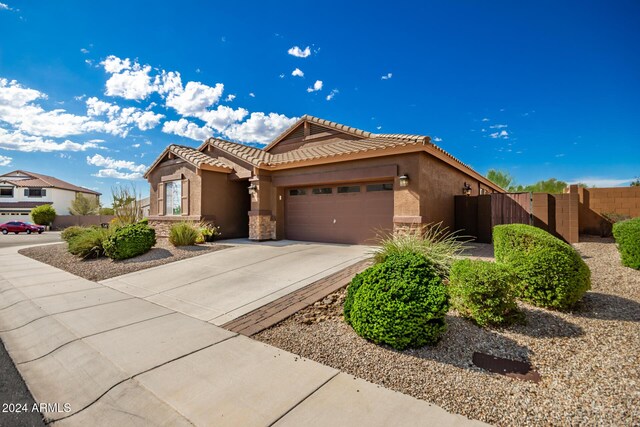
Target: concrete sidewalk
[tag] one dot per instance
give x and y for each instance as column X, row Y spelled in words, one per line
column 116, row 359
column 221, row 286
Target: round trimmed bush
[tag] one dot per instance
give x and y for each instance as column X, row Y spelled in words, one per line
column 401, row 302
column 549, row 272
column 129, row 241
column 352, row 289
column 481, row 291
column 627, row 235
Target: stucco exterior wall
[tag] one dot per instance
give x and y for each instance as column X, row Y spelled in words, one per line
column 440, row 182
column 226, row 203
column 176, row 168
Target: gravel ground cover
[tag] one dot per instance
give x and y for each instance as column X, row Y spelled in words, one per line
column 589, row 359
column 105, row 268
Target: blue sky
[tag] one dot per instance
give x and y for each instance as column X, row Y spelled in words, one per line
column 92, row 94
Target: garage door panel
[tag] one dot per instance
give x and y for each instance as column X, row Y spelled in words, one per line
column 354, row 217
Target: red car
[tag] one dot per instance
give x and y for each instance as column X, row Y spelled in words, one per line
column 19, row 227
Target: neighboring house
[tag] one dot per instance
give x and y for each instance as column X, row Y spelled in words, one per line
column 21, row 191
column 144, row 207
column 318, row 181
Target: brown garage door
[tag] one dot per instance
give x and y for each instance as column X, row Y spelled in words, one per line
column 346, row 213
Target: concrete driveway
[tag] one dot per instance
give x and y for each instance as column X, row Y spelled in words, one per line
column 97, row 356
column 221, row 286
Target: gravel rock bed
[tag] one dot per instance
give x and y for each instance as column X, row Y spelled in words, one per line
column 105, row 268
column 589, row 359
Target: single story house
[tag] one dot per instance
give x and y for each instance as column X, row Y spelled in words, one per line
column 318, row 181
column 21, row 191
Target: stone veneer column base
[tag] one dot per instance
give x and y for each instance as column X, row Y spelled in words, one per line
column 262, row 227
column 162, row 225
column 405, row 228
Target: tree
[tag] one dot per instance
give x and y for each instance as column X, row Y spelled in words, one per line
column 125, row 204
column 501, row 178
column 84, row 205
column 106, row 211
column 636, row 183
column 43, row 214
column 552, row 185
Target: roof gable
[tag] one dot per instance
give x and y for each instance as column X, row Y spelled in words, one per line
column 193, row 156
column 309, row 128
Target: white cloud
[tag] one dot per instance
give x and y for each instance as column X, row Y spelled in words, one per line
column 387, row 76
column 503, row 134
column 109, row 163
column 437, row 139
column 485, row 119
column 498, row 126
column 4, row 6
column 251, row 94
column 80, row 97
column 135, row 145
column 230, row 97
column 282, row 75
column 18, row 141
column 85, row 51
column 300, row 53
column 134, row 83
column 120, row 119
column 297, row 73
column 112, row 173
column 332, row 94
column 194, row 98
column 316, row 86
column 603, row 182
column 113, row 64
column 222, row 117
column 260, row 127
column 5, row 160
column 187, row 129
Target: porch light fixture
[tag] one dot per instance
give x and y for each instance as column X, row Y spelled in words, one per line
column 404, row 180
column 253, row 188
column 466, row 189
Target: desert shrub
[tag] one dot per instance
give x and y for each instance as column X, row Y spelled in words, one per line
column 549, row 272
column 89, row 244
column 401, row 302
column 43, row 214
column 352, row 289
column 183, row 234
column 482, row 291
column 129, row 241
column 73, row 231
column 627, row 235
column 435, row 243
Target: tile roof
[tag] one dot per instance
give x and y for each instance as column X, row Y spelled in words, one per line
column 40, row 180
column 252, row 155
column 197, row 158
column 22, row 205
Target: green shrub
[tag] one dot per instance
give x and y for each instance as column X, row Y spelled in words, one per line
column 352, row 289
column 627, row 235
column 129, row 241
column 435, row 243
column 183, row 234
column 43, row 214
column 73, row 231
column 549, row 272
column 89, row 243
column 401, row 302
column 482, row 291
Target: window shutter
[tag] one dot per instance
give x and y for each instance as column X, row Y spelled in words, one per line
column 26, row 192
column 160, row 197
column 185, row 197
column 44, row 192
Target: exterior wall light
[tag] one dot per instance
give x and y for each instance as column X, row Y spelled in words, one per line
column 466, row 189
column 404, row 180
column 253, row 189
